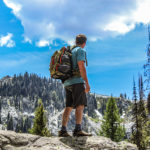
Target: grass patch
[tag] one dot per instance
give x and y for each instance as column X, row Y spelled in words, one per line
column 96, row 120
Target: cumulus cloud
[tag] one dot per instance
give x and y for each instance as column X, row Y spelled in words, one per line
column 15, row 6
column 42, row 43
column 50, row 19
column 7, row 41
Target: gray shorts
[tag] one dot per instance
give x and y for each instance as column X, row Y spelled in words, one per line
column 75, row 95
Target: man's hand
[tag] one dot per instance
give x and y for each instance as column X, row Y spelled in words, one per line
column 87, row 87
column 83, row 75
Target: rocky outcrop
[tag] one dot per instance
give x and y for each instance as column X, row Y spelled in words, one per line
column 9, row 140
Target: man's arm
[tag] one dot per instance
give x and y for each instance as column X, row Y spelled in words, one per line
column 84, row 75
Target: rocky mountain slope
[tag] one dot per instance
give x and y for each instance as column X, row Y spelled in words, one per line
column 19, row 96
column 10, row 140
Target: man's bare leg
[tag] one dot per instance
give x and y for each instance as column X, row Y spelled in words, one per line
column 78, row 130
column 78, row 115
column 66, row 115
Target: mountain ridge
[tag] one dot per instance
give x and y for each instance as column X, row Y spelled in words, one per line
column 19, row 96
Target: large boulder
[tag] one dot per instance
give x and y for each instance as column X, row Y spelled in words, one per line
column 10, row 140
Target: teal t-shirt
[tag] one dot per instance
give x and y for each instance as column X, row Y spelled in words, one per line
column 78, row 54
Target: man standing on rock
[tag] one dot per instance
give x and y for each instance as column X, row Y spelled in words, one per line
column 75, row 89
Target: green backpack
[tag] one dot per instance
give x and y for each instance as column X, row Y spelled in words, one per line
column 61, row 64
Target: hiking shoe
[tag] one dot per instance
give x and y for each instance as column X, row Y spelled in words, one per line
column 63, row 133
column 81, row 133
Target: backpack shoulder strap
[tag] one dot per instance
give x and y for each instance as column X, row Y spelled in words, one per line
column 72, row 47
column 86, row 60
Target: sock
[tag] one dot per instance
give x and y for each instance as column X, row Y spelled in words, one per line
column 78, row 127
column 63, row 128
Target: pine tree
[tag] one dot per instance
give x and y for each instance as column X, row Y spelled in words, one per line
column 121, row 95
column 111, row 126
column 145, row 123
column 139, row 132
column 0, row 119
column 0, row 110
column 10, row 124
column 147, row 65
column 17, row 128
column 39, row 126
column 148, row 111
column 27, row 125
column 142, row 107
column 125, row 96
column 19, row 105
column 135, row 137
column 21, row 124
column 103, row 106
column 36, row 103
column 8, row 117
column 148, row 103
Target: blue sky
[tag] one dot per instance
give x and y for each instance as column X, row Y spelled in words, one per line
column 116, row 47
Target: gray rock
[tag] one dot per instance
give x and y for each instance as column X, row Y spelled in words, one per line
column 10, row 140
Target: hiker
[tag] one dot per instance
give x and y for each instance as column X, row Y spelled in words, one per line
column 75, row 89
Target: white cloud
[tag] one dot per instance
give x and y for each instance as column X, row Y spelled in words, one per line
column 65, row 19
column 15, row 6
column 7, row 41
column 142, row 13
column 119, row 26
column 42, row 43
